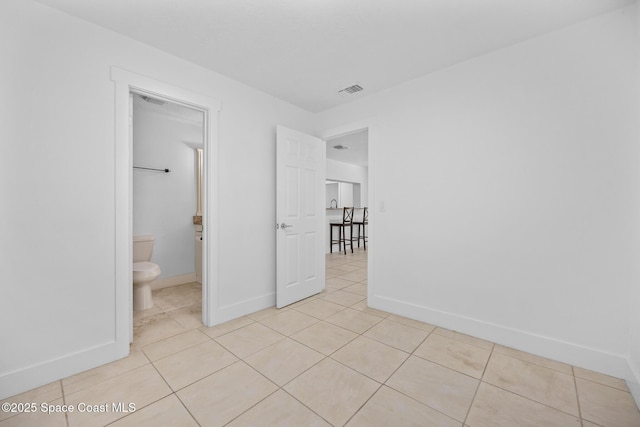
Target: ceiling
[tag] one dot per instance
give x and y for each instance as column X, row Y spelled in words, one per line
column 172, row 110
column 356, row 154
column 306, row 51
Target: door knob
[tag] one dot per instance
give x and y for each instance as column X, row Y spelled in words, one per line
column 283, row 225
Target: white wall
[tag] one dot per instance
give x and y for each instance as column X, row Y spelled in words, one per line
column 357, row 195
column 346, row 194
column 346, row 172
column 517, row 174
column 57, row 185
column 332, row 194
column 164, row 203
column 634, row 353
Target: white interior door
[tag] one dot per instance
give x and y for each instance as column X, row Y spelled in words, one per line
column 300, row 215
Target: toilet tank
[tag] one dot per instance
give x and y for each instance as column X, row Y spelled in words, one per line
column 142, row 248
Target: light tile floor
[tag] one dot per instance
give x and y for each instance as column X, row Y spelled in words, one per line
column 327, row 360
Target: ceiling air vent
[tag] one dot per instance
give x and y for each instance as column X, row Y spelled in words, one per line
column 351, row 89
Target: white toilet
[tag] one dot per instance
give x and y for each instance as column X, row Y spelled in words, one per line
column 144, row 272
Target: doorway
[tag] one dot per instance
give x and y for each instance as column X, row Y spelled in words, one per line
column 349, row 183
column 126, row 83
column 167, row 144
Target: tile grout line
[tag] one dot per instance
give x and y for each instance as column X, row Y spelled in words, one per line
column 475, row 394
column 522, row 359
column 187, row 409
column 230, row 331
column 530, row 398
column 64, row 402
column 303, row 404
column 603, row 385
column 168, row 385
column 326, row 355
column 406, row 395
column 365, row 375
column 251, row 354
column 177, row 352
column 419, row 402
column 278, row 388
column 364, row 403
column 107, row 378
column 281, row 388
column 575, row 385
column 446, row 367
column 401, row 365
column 286, row 336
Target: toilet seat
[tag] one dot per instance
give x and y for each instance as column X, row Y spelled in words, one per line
column 145, row 271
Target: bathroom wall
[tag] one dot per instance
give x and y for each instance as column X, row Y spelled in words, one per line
column 164, row 203
column 57, row 180
column 515, row 176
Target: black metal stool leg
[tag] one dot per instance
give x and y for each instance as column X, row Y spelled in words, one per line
column 351, row 237
column 364, row 236
column 330, row 238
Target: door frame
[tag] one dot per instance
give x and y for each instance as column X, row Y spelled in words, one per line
column 368, row 125
column 127, row 82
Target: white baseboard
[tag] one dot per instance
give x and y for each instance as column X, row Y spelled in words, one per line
column 167, row 282
column 634, row 383
column 24, row 379
column 574, row 354
column 242, row 308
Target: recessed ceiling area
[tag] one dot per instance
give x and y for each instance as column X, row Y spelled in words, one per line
column 357, row 152
column 175, row 111
column 306, row 51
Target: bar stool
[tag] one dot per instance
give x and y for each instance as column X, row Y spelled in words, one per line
column 363, row 223
column 347, row 221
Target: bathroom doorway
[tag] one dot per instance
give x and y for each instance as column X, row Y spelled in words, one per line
column 127, row 84
column 167, row 157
